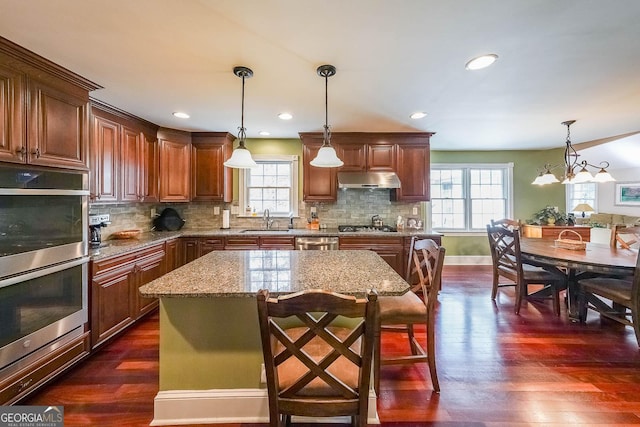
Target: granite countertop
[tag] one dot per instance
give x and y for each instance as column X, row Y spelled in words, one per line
column 115, row 247
column 243, row 273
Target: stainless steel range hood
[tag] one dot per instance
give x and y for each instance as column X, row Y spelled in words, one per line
column 368, row 180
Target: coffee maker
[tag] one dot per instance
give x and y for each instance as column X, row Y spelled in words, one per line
column 96, row 222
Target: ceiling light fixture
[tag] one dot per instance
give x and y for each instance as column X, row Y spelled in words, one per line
column 418, row 115
column 241, row 157
column 327, row 157
column 285, row 116
column 571, row 176
column 481, row 62
column 181, row 115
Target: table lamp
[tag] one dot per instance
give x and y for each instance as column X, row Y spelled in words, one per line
column 584, row 207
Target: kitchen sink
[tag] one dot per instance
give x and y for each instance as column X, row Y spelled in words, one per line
column 262, row 230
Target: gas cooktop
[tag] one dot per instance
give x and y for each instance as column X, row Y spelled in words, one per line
column 366, row 228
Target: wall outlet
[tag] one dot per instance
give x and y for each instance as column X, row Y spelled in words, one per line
column 415, row 211
column 263, row 375
column 216, row 210
column 153, row 213
column 234, row 209
column 313, row 209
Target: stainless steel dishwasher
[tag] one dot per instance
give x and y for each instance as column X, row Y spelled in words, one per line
column 316, row 243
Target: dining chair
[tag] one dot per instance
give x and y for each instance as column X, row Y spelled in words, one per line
column 616, row 298
column 402, row 313
column 507, row 260
column 623, row 236
column 511, row 224
column 317, row 347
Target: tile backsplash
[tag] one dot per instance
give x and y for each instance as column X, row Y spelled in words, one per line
column 354, row 206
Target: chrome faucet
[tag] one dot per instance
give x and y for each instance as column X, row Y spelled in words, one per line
column 268, row 222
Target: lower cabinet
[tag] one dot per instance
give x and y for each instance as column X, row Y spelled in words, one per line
column 195, row 247
column 238, row 243
column 34, row 375
column 391, row 249
column 115, row 300
column 173, row 258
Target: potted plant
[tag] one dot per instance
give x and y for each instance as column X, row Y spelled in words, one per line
column 549, row 215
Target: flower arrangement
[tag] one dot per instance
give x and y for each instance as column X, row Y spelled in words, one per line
column 549, row 215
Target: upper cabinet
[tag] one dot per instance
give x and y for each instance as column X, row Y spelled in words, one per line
column 407, row 154
column 124, row 156
column 210, row 179
column 175, row 167
column 43, row 111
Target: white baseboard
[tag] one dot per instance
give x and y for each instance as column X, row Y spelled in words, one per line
column 468, row 260
column 183, row 407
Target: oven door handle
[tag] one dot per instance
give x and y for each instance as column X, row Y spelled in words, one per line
column 41, row 192
column 43, row 272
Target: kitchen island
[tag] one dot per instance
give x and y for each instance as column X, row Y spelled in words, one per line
column 210, row 351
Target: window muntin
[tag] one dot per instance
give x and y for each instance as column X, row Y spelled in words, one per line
column 582, row 193
column 467, row 197
column 272, row 185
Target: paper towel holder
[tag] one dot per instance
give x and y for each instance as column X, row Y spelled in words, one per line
column 225, row 219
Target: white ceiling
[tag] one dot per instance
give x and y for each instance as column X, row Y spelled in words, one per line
column 558, row 60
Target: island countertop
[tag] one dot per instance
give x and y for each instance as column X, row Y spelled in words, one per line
column 243, row 273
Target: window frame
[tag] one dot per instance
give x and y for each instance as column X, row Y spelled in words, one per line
column 243, row 174
column 466, row 182
column 568, row 198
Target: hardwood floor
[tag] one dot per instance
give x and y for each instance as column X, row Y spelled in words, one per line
column 495, row 368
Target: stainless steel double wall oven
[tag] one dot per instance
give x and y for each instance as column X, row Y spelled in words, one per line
column 43, row 261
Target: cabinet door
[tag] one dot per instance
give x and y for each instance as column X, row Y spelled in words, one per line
column 148, row 168
column 12, row 135
column 129, row 165
column 112, row 308
column 207, row 245
column 319, row 184
column 413, row 171
column 172, row 255
column 104, row 160
column 174, row 171
column 147, row 270
column 56, row 126
column 190, row 250
column 354, row 157
column 208, row 172
column 381, row 158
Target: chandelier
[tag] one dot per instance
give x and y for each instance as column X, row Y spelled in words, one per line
column 574, row 172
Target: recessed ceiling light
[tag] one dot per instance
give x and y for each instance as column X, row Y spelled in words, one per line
column 181, row 115
column 481, row 62
column 285, row 116
column 264, row 133
column 418, row 115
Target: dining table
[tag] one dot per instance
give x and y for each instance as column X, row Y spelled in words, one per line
column 596, row 259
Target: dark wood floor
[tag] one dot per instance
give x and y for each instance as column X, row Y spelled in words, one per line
column 496, row 369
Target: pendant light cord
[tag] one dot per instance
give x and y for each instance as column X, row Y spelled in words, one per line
column 327, row 132
column 242, row 134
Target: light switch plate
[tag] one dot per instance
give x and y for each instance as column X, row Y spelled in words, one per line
column 415, row 211
column 216, row 210
column 234, row 209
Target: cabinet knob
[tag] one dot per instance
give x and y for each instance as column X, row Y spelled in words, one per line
column 36, row 153
column 21, row 151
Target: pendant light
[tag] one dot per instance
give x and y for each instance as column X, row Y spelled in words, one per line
column 327, row 157
column 241, row 157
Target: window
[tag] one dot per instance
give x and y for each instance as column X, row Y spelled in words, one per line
column 272, row 185
column 468, row 197
column 582, row 193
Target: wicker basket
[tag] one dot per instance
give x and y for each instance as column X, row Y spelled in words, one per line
column 126, row 234
column 572, row 244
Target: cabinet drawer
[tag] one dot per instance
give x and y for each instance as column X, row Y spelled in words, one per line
column 33, row 376
column 277, row 242
column 248, row 242
column 117, row 261
column 356, row 242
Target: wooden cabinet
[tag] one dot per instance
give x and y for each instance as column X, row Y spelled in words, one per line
column 195, row 247
column 318, row 184
column 248, row 242
column 124, row 157
column 43, row 111
column 32, row 376
column 553, row 231
column 413, row 170
column 115, row 300
column 173, row 255
column 391, row 249
column 406, row 154
column 210, row 179
column 175, row 177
